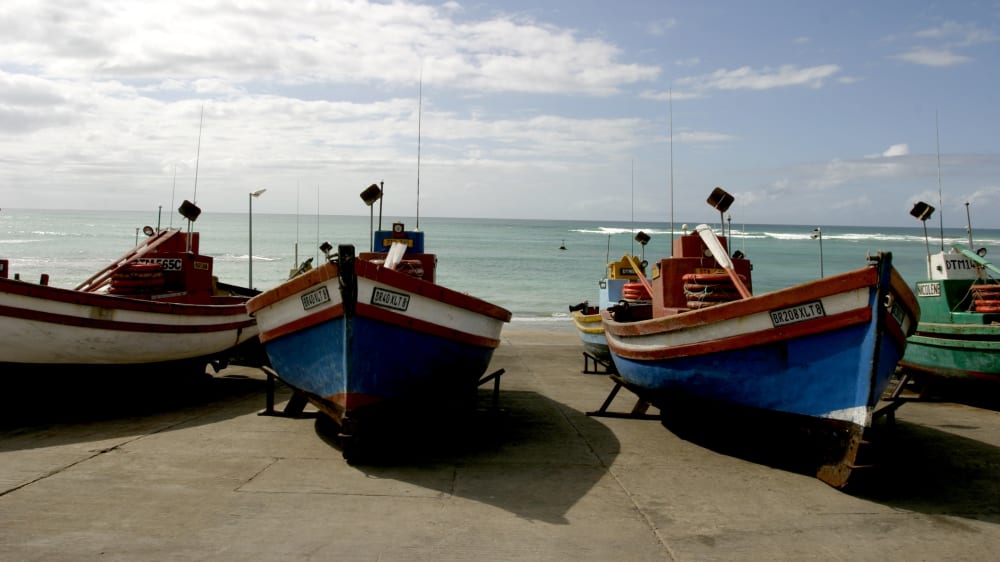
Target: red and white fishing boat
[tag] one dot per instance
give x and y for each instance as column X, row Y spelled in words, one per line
column 818, row 355
column 158, row 306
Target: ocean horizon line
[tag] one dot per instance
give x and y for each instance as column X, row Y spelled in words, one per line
column 617, row 229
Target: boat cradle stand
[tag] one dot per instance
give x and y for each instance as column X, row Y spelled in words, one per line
column 601, row 366
column 295, row 408
column 639, row 410
column 495, row 377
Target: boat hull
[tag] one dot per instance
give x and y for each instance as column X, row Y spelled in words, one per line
column 591, row 332
column 49, row 326
column 823, row 351
column 953, row 343
column 954, row 352
column 361, row 342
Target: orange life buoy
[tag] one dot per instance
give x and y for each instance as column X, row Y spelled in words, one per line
column 635, row 292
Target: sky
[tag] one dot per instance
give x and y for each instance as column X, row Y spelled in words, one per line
column 807, row 112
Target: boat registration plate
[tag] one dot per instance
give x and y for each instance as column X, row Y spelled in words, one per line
column 315, row 298
column 390, row 299
column 929, row 289
column 797, row 313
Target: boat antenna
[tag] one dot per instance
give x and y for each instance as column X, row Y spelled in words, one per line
column 670, row 99
column 173, row 193
column 298, row 191
column 197, row 160
column 633, row 206
column 316, row 251
column 937, row 138
column 607, row 255
column 420, row 111
column 968, row 224
column 197, row 157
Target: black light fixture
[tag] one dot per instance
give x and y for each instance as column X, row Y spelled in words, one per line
column 818, row 233
column 642, row 238
column 371, row 194
column 325, row 247
column 148, row 230
column 189, row 210
column 922, row 211
column 720, row 199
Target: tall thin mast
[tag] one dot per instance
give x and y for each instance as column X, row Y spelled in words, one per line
column 420, row 107
column 197, row 157
column 670, row 99
column 937, row 138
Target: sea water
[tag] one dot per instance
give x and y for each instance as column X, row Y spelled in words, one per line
column 534, row 268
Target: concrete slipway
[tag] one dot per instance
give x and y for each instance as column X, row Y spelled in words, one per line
column 193, row 472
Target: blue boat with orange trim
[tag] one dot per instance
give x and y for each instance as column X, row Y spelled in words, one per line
column 364, row 335
column 822, row 352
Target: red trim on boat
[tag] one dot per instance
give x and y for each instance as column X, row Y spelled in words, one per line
column 404, row 282
column 316, row 276
column 308, row 321
column 771, row 335
column 159, row 328
column 396, row 319
column 116, row 302
column 814, row 290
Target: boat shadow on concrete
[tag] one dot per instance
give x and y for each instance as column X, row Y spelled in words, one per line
column 526, row 454
column 904, row 465
column 923, row 469
column 80, row 406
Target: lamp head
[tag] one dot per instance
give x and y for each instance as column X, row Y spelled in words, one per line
column 371, row 194
column 189, row 210
column 922, row 211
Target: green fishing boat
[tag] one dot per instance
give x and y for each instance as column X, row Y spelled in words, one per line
column 958, row 336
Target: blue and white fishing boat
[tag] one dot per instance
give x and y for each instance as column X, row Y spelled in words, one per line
column 823, row 351
column 363, row 335
column 621, row 282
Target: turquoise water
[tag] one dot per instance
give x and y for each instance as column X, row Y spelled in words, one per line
column 517, row 264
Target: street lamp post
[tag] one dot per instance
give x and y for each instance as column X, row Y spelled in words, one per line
column 817, row 233
column 253, row 194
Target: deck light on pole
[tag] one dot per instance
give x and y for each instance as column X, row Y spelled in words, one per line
column 253, row 195
column 817, row 233
column 370, row 195
column 922, row 211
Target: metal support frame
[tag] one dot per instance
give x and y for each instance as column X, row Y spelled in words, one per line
column 495, row 377
column 638, row 410
column 601, row 367
column 295, row 408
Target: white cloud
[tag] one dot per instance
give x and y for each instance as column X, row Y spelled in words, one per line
column 932, row 57
column 661, row 26
column 896, row 150
column 354, row 42
column 747, row 78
